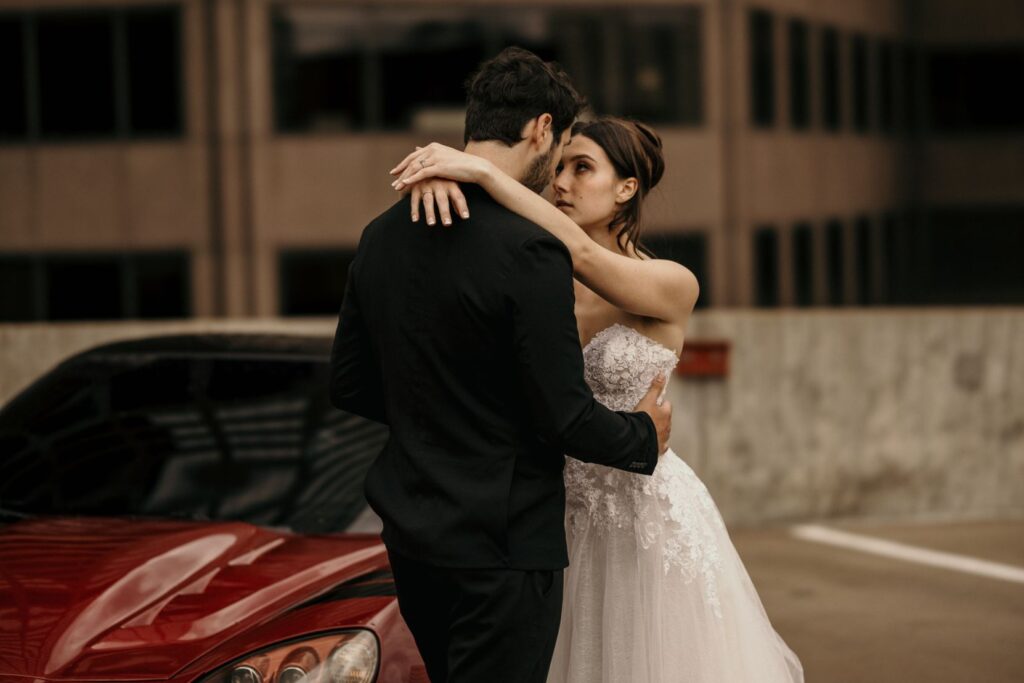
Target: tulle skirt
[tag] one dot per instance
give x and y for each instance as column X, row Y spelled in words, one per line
column 655, row 591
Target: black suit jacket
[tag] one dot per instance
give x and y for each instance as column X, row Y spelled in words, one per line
column 463, row 340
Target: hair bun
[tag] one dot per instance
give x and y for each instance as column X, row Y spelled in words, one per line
column 649, row 133
column 651, row 143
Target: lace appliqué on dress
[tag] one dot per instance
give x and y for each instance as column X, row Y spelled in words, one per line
column 670, row 512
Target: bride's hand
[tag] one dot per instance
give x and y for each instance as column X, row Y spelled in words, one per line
column 439, row 161
column 442, row 192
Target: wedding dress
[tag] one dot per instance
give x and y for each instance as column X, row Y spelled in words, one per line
column 655, row 591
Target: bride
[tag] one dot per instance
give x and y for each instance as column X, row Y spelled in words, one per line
column 655, row 590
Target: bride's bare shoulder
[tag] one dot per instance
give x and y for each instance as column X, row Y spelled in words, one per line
column 676, row 278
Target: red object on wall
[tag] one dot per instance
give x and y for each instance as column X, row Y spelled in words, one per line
column 704, row 358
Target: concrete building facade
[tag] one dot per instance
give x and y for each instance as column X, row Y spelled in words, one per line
column 220, row 157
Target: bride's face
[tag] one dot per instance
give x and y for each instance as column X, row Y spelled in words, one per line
column 586, row 186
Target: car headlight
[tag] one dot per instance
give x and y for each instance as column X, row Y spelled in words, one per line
column 347, row 657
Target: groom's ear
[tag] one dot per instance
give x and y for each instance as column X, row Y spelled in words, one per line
column 538, row 133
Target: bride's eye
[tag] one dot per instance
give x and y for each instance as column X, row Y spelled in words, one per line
column 582, row 167
column 558, row 169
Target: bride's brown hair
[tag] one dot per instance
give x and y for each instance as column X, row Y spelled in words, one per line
column 635, row 152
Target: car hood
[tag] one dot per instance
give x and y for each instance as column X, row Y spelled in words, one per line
column 131, row 599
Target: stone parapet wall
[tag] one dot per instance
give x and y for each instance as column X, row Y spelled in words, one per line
column 896, row 413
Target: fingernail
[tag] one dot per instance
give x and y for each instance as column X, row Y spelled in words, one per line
column 465, row 214
column 447, row 221
column 430, row 222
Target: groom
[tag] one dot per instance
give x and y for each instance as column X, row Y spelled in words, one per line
column 463, row 340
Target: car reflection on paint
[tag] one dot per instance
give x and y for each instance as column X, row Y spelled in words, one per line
column 190, row 509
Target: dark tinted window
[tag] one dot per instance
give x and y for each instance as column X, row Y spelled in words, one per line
column 95, row 286
column 911, row 62
column 762, row 68
column 154, row 71
column 318, row 84
column 766, row 267
column 161, row 285
column 886, row 87
column 859, row 82
column 85, row 74
column 13, row 114
column 834, row 262
column 689, row 249
column 894, row 270
column 864, row 272
column 799, row 76
column 18, row 289
column 313, row 282
column 424, row 63
column 76, row 74
column 974, row 255
column 206, row 437
column 976, row 90
column 352, row 68
column 803, row 265
column 84, row 288
column 830, row 79
column 662, row 75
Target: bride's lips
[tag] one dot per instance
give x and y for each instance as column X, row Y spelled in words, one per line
column 561, row 202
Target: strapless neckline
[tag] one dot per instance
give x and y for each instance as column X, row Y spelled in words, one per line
column 607, row 330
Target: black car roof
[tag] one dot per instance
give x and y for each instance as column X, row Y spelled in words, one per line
column 233, row 344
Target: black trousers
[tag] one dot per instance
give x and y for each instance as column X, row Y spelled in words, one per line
column 480, row 625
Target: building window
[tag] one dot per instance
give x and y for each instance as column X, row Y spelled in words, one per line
column 762, row 68
column 160, row 285
column 799, row 76
column 969, row 90
column 803, row 265
column 859, row 83
column 84, row 288
column 412, row 54
column 147, row 285
column 359, row 68
column 153, row 48
column 865, row 259
column 689, row 249
column 892, row 269
column 972, row 255
column 886, row 87
column 76, row 75
column 112, row 73
column 766, row 267
column 830, row 80
column 312, row 282
column 662, row 67
column 834, row 262
column 13, row 113
column 910, row 63
column 19, row 274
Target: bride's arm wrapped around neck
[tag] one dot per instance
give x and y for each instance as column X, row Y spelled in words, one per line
column 654, row 288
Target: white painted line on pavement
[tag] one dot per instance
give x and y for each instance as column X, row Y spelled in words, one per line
column 908, row 553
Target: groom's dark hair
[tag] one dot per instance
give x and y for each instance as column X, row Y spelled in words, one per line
column 514, row 87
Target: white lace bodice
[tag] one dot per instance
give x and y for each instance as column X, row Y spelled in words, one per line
column 620, row 363
column 670, row 510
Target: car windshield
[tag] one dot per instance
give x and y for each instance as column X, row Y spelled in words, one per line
column 206, row 437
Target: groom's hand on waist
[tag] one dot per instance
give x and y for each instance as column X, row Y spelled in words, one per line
column 659, row 410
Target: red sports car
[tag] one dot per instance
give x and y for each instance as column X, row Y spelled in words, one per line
column 190, row 509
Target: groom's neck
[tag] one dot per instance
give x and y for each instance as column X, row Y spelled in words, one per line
column 509, row 159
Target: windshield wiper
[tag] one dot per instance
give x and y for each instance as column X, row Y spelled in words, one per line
column 13, row 515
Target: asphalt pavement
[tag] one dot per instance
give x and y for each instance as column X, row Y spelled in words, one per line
column 855, row 616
